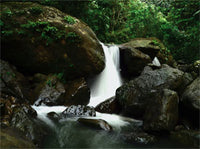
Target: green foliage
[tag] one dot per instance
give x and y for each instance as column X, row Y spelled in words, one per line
column 61, row 76
column 69, row 20
column 7, row 33
column 36, row 10
column 72, row 37
column 49, row 83
column 1, row 23
column 50, row 33
column 155, row 42
column 7, row 13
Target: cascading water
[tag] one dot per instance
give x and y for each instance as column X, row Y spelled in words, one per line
column 103, row 87
column 106, row 83
column 68, row 133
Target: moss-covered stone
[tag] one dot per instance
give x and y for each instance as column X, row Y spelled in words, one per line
column 45, row 42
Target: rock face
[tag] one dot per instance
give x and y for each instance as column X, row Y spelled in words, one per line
column 24, row 119
column 133, row 96
column 132, row 61
column 79, row 110
column 77, row 93
column 138, row 52
column 161, row 112
column 108, row 106
column 95, row 123
column 191, row 96
column 52, row 92
column 13, row 83
column 145, row 45
column 47, row 40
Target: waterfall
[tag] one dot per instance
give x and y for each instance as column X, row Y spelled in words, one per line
column 106, row 83
column 103, row 87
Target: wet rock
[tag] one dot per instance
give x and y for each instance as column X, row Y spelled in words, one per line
column 50, row 92
column 77, row 93
column 186, row 80
column 7, row 104
column 145, row 45
column 138, row 137
column 79, row 110
column 53, row 116
column 53, row 92
column 13, row 83
column 133, row 96
column 11, row 139
column 189, row 138
column 161, row 112
column 24, row 119
column 95, row 123
column 130, row 56
column 48, row 43
column 191, row 96
column 190, row 102
column 108, row 106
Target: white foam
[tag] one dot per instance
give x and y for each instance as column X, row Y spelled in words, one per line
column 42, row 112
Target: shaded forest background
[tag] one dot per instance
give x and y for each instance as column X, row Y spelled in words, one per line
column 175, row 22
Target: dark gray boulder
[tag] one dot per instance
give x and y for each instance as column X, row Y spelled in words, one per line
column 133, row 96
column 161, row 112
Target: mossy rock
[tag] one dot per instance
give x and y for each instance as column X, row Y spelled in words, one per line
column 152, row 47
column 38, row 38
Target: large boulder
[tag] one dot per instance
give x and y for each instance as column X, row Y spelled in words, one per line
column 135, row 54
column 161, row 112
column 145, row 45
column 24, row 118
column 13, row 83
column 132, row 61
column 47, row 40
column 133, row 96
column 191, row 95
